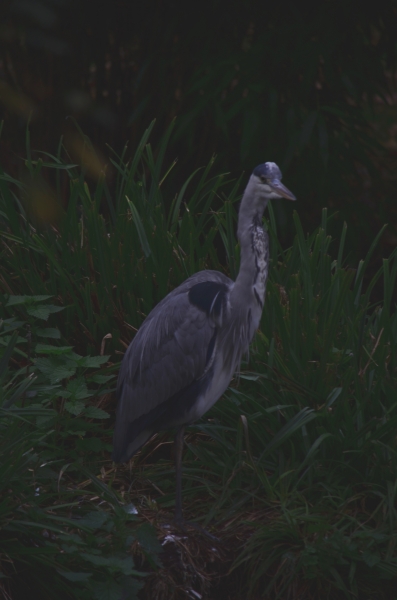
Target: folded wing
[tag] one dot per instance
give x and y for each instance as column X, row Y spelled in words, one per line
column 168, row 358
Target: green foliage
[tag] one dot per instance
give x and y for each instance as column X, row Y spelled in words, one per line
column 307, row 439
column 299, row 463
column 48, row 530
column 107, row 273
column 298, row 84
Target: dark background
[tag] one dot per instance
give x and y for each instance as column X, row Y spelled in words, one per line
column 307, row 85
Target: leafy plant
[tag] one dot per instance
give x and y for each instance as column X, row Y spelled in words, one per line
column 51, row 539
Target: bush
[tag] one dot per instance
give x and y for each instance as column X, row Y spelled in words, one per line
column 53, row 539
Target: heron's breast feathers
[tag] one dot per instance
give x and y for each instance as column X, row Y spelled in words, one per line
column 260, row 250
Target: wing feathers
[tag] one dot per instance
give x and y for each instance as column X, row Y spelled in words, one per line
column 174, row 347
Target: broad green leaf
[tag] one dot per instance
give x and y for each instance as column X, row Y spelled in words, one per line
column 146, row 536
column 49, row 332
column 55, row 371
column 43, row 311
column 78, row 388
column 93, row 362
column 16, row 300
column 56, row 350
column 92, row 412
column 94, row 519
column 75, row 408
column 122, row 564
column 101, row 378
column 71, row 576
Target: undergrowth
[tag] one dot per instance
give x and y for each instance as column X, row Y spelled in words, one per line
column 63, row 531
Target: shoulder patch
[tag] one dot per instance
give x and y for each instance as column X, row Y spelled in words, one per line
column 209, row 296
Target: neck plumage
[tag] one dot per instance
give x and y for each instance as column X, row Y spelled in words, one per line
column 250, row 285
column 247, row 295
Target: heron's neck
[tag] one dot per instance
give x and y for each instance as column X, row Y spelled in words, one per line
column 250, row 285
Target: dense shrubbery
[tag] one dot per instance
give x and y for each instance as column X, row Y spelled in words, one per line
column 297, row 466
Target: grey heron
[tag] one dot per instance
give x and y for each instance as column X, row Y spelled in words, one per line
column 184, row 355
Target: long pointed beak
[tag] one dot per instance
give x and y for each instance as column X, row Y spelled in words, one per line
column 280, row 189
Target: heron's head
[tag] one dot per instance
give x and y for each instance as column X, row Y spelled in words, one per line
column 266, row 179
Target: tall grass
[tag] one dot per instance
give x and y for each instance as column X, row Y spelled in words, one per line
column 297, row 464
column 309, row 445
column 108, row 273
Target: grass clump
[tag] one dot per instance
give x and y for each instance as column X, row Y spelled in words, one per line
column 317, row 444
column 295, row 470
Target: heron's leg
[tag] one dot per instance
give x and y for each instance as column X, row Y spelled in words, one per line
column 179, row 438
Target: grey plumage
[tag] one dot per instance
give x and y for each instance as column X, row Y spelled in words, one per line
column 185, row 353
column 168, row 353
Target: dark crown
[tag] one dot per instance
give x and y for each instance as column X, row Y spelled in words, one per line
column 269, row 170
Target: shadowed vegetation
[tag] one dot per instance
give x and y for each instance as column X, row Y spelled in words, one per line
column 294, row 470
column 309, row 86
